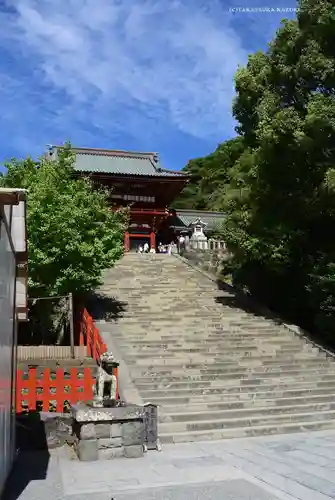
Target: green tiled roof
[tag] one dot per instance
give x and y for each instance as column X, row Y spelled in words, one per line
column 184, row 218
column 120, row 163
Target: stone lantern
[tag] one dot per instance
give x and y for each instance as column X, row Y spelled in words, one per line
column 198, row 238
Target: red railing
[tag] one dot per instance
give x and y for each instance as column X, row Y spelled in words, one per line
column 90, row 337
column 55, row 390
column 52, row 391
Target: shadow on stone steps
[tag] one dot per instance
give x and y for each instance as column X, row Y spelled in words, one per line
column 103, row 307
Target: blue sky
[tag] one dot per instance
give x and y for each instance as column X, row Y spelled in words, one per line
column 148, row 75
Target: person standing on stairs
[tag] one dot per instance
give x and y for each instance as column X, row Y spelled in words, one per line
column 181, row 242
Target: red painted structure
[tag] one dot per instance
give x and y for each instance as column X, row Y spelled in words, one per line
column 89, row 336
column 53, row 390
column 136, row 180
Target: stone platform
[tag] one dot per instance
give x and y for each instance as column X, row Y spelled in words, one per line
column 108, row 433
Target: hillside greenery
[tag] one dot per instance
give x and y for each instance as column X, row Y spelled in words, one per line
column 276, row 179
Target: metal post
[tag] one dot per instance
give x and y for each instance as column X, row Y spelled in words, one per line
column 71, row 325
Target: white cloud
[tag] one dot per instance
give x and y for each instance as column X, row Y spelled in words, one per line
column 130, row 62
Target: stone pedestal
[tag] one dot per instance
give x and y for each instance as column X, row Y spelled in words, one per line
column 151, row 427
column 107, row 433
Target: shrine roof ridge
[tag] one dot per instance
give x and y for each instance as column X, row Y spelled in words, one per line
column 184, row 218
column 119, row 162
column 200, row 213
column 112, row 152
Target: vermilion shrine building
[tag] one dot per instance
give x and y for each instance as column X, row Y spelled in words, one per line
column 139, row 181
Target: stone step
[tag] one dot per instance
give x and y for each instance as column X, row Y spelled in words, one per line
column 177, row 367
column 218, row 371
column 220, row 343
column 199, row 339
column 243, row 413
column 132, row 335
column 151, row 383
column 156, row 317
column 234, row 387
column 247, row 421
column 246, row 396
column 241, row 432
column 213, row 374
column 193, row 360
column 206, row 386
column 219, row 352
column 191, row 335
column 164, row 340
column 216, row 350
column 213, row 328
column 206, row 356
column 250, row 403
column 218, row 318
column 141, row 333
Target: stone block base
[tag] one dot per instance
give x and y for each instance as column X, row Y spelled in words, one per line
column 108, row 433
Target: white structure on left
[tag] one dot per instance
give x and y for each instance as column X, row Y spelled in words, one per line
column 13, row 308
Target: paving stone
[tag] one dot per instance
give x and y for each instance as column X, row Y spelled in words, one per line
column 325, row 452
column 228, row 490
column 307, row 477
column 274, row 479
column 310, row 458
column 183, row 463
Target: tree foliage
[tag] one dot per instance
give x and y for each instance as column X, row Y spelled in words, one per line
column 208, row 176
column 280, row 195
column 73, row 235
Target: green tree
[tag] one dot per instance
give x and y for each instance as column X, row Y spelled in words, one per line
column 209, row 176
column 73, row 235
column 280, row 231
column 279, row 190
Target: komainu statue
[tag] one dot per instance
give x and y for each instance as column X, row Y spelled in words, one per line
column 105, row 388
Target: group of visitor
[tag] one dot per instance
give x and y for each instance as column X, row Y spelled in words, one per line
column 166, row 248
column 145, row 248
column 169, row 249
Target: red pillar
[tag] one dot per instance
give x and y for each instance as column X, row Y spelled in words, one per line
column 152, row 240
column 126, row 242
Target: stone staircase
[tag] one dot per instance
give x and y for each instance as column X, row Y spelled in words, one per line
column 216, row 370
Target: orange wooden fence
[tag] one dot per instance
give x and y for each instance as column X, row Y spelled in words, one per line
column 52, row 391
column 90, row 337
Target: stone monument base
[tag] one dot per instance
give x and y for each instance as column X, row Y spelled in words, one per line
column 107, row 433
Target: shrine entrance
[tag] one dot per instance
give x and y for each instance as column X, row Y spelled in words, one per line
column 136, row 237
column 144, row 224
column 135, row 181
column 137, row 240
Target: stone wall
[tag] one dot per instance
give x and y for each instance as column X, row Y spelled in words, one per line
column 210, row 261
column 107, row 433
column 95, row 433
